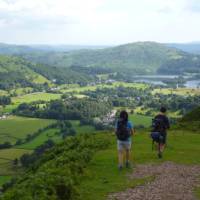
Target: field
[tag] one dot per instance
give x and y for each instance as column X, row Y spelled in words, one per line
column 137, row 120
column 6, row 159
column 178, row 91
column 103, row 176
column 51, row 134
column 95, row 87
column 43, row 137
column 35, row 97
column 14, row 128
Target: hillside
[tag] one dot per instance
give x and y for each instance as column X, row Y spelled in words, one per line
column 133, row 58
column 15, row 72
column 194, row 115
column 8, row 49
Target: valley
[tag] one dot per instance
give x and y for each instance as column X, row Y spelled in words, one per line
column 55, row 105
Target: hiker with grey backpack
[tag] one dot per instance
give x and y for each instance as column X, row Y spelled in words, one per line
column 124, row 131
column 160, row 124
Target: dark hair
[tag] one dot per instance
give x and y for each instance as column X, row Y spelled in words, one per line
column 163, row 109
column 124, row 115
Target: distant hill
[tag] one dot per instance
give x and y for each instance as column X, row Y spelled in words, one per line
column 133, row 58
column 12, row 49
column 7, row 49
column 193, row 47
column 16, row 72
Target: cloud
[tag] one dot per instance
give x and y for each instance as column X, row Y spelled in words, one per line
column 98, row 21
column 193, row 6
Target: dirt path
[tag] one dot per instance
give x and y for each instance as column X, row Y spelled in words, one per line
column 172, row 182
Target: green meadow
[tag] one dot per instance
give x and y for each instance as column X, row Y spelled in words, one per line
column 102, row 176
column 137, row 119
column 79, row 89
column 178, row 91
column 42, row 138
column 14, row 127
column 39, row 96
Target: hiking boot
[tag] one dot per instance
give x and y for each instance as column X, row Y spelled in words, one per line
column 159, row 155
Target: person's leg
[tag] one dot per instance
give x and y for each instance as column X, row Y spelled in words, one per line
column 120, row 158
column 128, row 153
column 120, row 154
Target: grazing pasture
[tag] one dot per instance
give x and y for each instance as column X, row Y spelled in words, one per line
column 14, row 127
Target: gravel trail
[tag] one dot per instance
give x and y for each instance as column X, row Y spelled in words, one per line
column 172, row 182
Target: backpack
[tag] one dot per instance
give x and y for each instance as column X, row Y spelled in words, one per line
column 123, row 132
column 158, row 125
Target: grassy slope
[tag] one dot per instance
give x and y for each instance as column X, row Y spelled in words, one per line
column 14, row 64
column 18, row 127
column 102, row 176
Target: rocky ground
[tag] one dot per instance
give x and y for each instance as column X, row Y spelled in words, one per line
column 172, row 182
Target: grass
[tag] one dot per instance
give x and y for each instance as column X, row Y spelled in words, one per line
column 95, row 87
column 15, row 127
column 3, row 93
column 21, row 91
column 82, row 129
column 11, row 154
column 28, row 98
column 102, row 176
column 43, row 137
column 4, row 179
column 137, row 119
column 6, row 158
column 50, row 134
column 178, row 91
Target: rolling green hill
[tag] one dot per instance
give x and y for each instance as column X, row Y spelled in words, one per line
column 136, row 58
column 16, row 71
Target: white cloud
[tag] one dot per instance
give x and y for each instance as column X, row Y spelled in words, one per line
column 98, row 21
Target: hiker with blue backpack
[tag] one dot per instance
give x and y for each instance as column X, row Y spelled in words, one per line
column 160, row 124
column 124, row 131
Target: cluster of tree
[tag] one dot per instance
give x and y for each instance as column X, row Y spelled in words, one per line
column 186, row 63
column 67, row 109
column 63, row 75
column 66, row 129
column 5, row 145
column 27, row 160
column 130, row 97
column 56, row 173
column 5, row 100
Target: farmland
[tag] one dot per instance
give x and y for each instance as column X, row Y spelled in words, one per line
column 40, row 96
column 14, row 128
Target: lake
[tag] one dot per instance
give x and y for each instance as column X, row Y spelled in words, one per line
column 157, row 80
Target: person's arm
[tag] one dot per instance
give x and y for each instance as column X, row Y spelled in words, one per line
column 132, row 131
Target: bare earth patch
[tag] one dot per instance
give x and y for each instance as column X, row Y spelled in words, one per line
column 172, row 182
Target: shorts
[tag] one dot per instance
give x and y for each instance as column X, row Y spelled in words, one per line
column 160, row 137
column 123, row 145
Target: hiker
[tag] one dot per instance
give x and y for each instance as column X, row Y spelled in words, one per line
column 160, row 125
column 124, row 131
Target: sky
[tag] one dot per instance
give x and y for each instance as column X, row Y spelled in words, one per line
column 98, row 22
